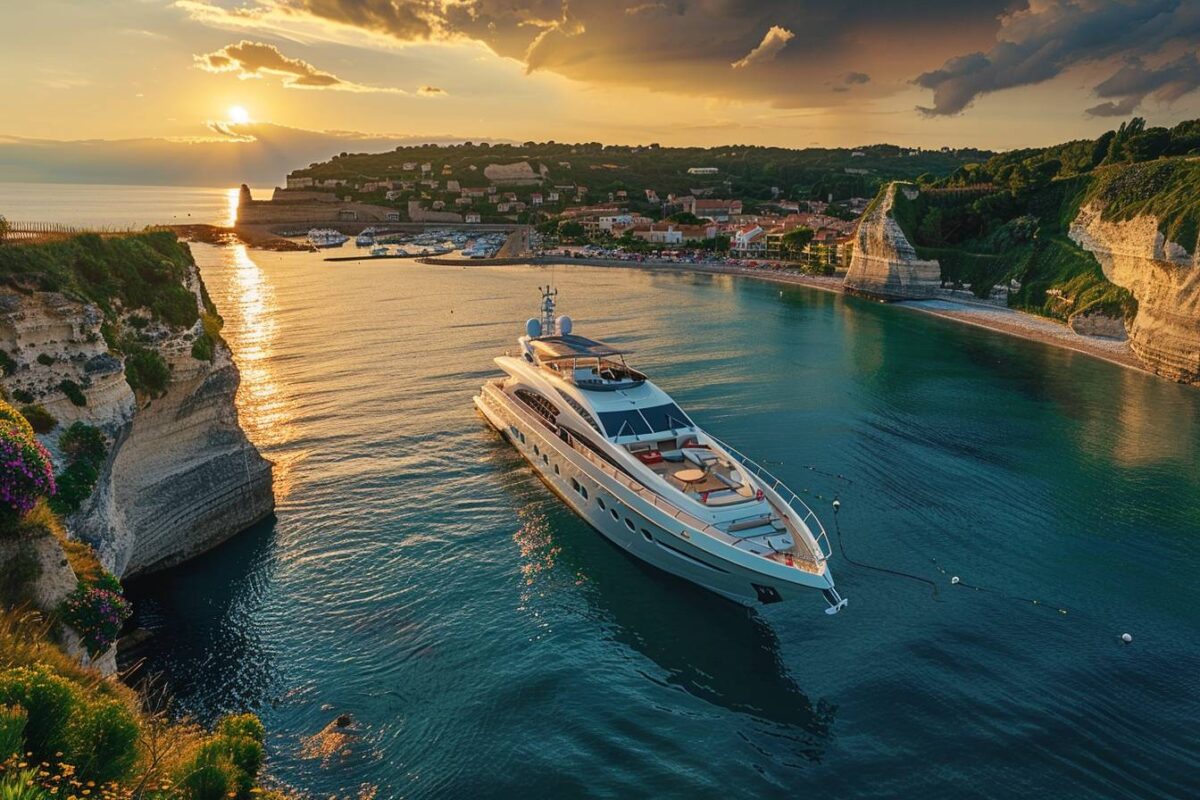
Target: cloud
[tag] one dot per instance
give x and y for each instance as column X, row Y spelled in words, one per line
column 1041, row 41
column 249, row 59
column 682, row 46
column 856, row 78
column 1134, row 82
column 774, row 41
column 431, row 91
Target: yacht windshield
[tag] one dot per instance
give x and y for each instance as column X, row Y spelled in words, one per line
column 638, row 422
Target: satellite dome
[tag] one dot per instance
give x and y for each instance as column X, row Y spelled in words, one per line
column 564, row 324
column 533, row 327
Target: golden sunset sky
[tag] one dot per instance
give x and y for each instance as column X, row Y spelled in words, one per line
column 993, row 74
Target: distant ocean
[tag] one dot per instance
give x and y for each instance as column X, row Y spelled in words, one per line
column 105, row 205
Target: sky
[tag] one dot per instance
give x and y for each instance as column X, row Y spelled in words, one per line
column 151, row 75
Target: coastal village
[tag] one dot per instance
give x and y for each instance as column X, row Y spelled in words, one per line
column 698, row 211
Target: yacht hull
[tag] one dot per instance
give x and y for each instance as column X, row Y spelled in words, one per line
column 640, row 528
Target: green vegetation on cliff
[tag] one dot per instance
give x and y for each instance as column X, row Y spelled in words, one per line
column 144, row 270
column 1008, row 218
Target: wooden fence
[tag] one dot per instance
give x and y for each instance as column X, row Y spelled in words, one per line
column 49, row 231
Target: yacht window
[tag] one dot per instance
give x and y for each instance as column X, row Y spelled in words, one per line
column 556, row 472
column 538, row 403
column 614, row 514
column 583, row 412
column 666, row 418
column 600, row 500
column 575, row 484
column 629, row 525
column 583, row 491
column 647, row 536
column 624, row 423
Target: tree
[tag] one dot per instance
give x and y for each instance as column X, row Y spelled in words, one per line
column 3, row 228
column 685, row 218
column 571, row 230
column 795, row 241
column 1148, row 145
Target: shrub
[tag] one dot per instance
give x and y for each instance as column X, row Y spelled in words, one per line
column 227, row 764
column 202, row 348
column 45, row 360
column 50, row 701
column 209, row 774
column 83, row 442
column 22, row 396
column 103, row 740
column 97, row 614
column 12, row 730
column 85, row 448
column 73, row 392
column 74, row 485
column 7, row 365
column 146, row 371
column 28, row 475
column 41, row 420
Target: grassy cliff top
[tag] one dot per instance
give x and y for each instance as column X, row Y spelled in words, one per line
column 1167, row 188
column 145, row 270
column 744, row 171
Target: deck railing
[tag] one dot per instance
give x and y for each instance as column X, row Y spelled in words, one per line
column 808, row 517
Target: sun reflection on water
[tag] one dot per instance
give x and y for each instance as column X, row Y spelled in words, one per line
column 266, row 412
column 232, row 200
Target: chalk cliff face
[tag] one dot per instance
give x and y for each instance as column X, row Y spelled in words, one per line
column 180, row 477
column 885, row 263
column 1163, row 278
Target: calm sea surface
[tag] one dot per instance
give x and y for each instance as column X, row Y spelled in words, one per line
column 104, row 206
column 488, row 643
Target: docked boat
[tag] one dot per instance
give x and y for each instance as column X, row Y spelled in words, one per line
column 326, row 237
column 623, row 455
column 366, row 238
column 379, row 250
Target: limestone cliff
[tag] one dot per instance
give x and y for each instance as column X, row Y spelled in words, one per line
column 180, row 476
column 1164, row 279
column 885, row 264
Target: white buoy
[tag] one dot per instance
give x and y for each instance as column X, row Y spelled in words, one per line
column 954, row 580
column 1126, row 638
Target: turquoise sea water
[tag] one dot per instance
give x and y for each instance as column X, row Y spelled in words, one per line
column 489, row 643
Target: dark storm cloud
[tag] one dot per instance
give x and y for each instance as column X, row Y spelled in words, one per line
column 789, row 52
column 1135, row 81
column 1040, row 41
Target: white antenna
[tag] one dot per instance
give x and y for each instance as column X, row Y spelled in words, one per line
column 549, row 325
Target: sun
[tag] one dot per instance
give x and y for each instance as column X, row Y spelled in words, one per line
column 239, row 115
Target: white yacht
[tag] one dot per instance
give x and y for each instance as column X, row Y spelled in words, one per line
column 366, row 238
column 623, row 456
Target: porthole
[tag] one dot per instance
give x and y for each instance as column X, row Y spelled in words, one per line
column 556, row 470
column 583, row 491
column 614, row 513
column 600, row 500
column 545, row 458
column 629, row 524
column 536, row 450
column 646, row 535
column 575, row 484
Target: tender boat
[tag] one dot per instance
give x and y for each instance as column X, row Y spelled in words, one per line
column 620, row 452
